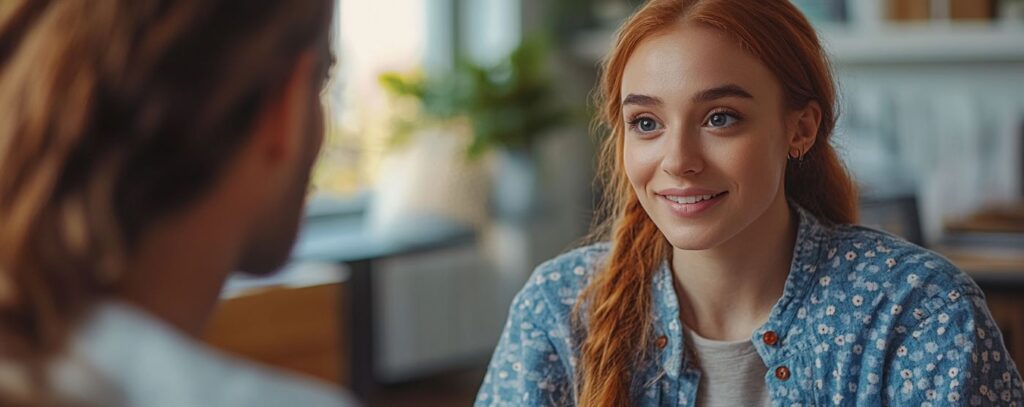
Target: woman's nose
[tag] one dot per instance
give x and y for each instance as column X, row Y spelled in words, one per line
column 683, row 154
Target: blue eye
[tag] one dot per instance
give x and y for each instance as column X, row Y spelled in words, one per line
column 721, row 119
column 644, row 124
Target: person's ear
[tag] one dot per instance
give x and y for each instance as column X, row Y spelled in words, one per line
column 803, row 128
column 278, row 130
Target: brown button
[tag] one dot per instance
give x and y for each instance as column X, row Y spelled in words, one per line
column 661, row 342
column 770, row 338
column 782, row 373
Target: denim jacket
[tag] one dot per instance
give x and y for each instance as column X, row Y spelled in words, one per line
column 865, row 318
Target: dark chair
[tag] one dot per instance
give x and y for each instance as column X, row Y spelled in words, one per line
column 896, row 214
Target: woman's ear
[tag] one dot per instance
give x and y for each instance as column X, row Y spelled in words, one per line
column 804, row 125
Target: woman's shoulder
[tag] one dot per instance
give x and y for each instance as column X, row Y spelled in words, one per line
column 859, row 259
column 555, row 285
column 573, row 266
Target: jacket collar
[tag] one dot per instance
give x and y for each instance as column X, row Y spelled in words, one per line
column 811, row 237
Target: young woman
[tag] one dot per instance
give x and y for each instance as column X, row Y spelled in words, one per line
column 148, row 148
column 733, row 273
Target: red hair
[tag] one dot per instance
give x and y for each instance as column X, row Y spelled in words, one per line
column 616, row 305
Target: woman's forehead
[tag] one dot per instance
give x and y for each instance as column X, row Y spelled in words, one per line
column 679, row 63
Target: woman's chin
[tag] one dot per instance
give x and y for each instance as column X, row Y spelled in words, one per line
column 698, row 240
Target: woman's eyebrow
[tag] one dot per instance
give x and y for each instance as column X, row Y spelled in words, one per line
column 707, row 95
column 719, row 92
column 642, row 100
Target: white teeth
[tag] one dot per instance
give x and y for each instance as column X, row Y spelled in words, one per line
column 689, row 199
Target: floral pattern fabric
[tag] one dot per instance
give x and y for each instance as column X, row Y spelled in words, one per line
column 865, row 319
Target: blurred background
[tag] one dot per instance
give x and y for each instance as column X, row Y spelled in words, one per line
column 458, row 158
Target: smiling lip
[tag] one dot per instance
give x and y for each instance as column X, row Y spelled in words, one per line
column 689, row 210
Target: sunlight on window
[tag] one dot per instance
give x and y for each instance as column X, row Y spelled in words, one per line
column 370, row 38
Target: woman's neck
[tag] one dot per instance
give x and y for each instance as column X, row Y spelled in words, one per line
column 727, row 292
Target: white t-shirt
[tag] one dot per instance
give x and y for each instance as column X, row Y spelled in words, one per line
column 733, row 372
column 121, row 356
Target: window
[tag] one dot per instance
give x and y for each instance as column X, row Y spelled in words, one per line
column 370, row 37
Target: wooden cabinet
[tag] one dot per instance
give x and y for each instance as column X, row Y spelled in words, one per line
column 296, row 329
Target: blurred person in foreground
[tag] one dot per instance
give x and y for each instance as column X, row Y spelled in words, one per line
column 147, row 149
column 732, row 271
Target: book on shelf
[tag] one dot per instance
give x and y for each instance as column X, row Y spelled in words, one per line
column 927, row 10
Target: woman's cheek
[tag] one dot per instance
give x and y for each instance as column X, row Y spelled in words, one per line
column 641, row 158
column 758, row 166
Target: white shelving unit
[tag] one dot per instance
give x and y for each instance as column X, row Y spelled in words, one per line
column 869, row 38
column 926, row 43
column 888, row 44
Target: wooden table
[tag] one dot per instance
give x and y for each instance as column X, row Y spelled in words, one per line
column 285, row 324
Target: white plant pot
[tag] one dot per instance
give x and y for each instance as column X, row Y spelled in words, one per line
column 429, row 177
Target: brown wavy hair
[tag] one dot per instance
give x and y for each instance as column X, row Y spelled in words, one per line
column 615, row 306
column 113, row 115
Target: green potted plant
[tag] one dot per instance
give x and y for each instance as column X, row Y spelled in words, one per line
column 427, row 102
column 424, row 172
column 509, row 106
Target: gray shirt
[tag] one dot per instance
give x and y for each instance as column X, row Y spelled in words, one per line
column 733, row 372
